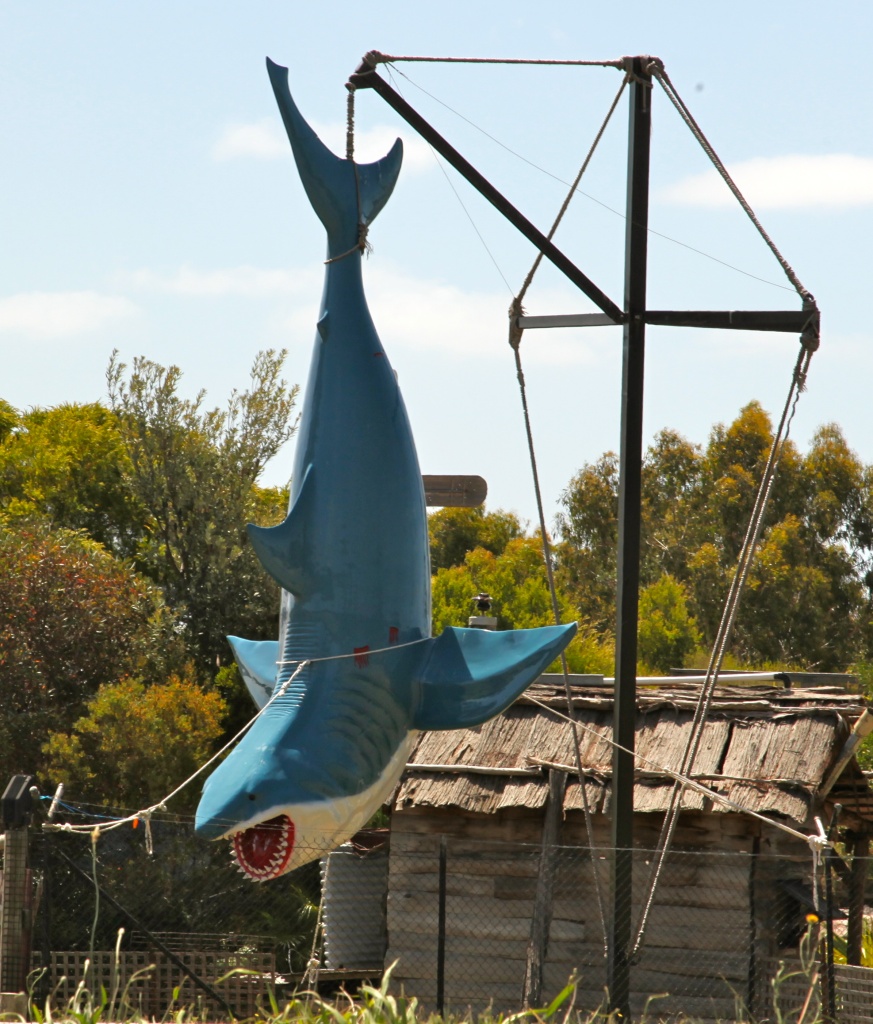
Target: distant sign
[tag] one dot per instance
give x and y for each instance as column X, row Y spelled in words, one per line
column 454, row 491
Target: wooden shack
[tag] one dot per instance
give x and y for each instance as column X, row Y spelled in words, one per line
column 492, row 875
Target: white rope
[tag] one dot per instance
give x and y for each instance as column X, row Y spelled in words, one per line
column 313, row 967
column 515, row 334
column 816, row 865
column 358, row 654
column 728, row 618
column 818, row 841
column 146, row 814
column 657, row 69
column 95, row 835
column 516, row 309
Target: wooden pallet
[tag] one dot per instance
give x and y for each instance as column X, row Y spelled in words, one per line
column 151, row 980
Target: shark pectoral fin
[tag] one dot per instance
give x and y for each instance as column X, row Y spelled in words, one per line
column 281, row 549
column 470, row 675
column 257, row 665
column 376, row 181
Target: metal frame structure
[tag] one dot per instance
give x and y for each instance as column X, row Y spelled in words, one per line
column 634, row 316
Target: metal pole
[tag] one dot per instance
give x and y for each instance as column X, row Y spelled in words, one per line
column 15, row 907
column 628, row 569
column 441, row 931
column 857, row 883
column 366, row 78
column 829, row 1009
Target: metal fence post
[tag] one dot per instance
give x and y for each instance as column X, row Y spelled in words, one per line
column 15, row 919
column 441, row 931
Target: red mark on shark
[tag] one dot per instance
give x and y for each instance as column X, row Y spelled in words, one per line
column 361, row 659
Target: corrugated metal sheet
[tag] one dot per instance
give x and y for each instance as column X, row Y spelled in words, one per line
column 766, row 748
column 354, row 887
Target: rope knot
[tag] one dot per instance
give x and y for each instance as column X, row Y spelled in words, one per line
column 810, row 337
column 627, row 64
column 362, row 246
column 515, row 332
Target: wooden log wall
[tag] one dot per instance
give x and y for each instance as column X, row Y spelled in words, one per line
column 698, row 945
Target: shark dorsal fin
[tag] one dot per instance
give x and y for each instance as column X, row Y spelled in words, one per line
column 282, row 549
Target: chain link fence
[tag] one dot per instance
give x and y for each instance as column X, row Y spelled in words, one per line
column 468, row 925
column 473, row 924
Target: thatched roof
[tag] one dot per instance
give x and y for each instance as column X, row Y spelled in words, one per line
column 765, row 747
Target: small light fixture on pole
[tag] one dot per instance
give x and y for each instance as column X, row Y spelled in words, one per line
column 483, row 620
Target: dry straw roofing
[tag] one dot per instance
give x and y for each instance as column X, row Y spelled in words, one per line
column 765, row 747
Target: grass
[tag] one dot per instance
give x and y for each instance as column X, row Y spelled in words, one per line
column 371, row 1006
column 378, row 1005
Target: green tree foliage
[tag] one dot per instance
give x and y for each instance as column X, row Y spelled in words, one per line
column 807, row 599
column 667, row 633
column 72, row 618
column 195, row 470
column 518, row 583
column 516, row 580
column 136, row 743
column 68, row 465
column 588, row 525
column 9, row 419
column 455, row 531
column 88, row 494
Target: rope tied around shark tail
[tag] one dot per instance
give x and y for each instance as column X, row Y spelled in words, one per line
column 363, row 246
column 350, row 122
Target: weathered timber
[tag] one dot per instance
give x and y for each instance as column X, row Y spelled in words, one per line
column 854, row 993
column 716, row 919
column 541, row 918
column 484, row 923
column 860, row 868
column 454, row 491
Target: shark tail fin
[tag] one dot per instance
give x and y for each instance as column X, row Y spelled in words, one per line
column 340, row 191
column 470, row 675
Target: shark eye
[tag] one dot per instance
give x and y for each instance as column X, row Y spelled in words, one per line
column 253, row 796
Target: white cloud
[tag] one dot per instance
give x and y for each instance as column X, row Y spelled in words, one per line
column 409, row 311
column 266, row 140
column 263, row 140
column 253, row 282
column 373, row 143
column 61, row 314
column 831, row 180
column 425, row 313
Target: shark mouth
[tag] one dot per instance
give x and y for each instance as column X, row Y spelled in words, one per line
column 263, row 851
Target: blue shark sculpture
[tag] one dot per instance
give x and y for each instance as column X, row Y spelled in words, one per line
column 352, row 558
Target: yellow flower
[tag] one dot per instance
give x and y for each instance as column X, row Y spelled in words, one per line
column 812, row 918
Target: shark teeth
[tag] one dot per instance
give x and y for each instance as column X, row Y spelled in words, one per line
column 263, row 851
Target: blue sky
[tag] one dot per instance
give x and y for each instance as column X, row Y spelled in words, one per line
column 149, row 203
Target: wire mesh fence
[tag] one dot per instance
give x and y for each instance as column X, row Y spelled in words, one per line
column 467, row 924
